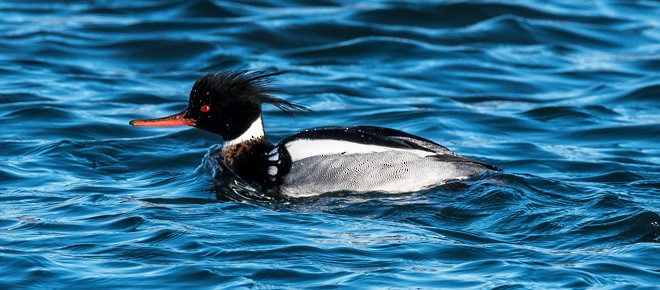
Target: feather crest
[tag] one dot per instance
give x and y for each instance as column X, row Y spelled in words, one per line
column 252, row 85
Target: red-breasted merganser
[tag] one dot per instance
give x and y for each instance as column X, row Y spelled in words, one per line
column 314, row 161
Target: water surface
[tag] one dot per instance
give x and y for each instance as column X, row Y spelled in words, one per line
column 563, row 95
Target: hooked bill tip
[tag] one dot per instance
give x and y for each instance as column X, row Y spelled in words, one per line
column 141, row 123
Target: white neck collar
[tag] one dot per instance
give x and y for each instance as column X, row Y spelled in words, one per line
column 256, row 130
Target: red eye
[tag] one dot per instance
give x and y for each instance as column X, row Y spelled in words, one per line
column 205, row 108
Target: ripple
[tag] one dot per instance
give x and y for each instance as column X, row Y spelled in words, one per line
column 641, row 94
column 561, row 94
column 364, row 47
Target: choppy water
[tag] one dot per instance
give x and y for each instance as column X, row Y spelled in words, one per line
column 564, row 95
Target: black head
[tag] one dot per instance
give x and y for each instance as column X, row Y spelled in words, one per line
column 225, row 103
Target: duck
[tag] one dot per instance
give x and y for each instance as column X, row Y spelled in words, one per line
column 314, row 161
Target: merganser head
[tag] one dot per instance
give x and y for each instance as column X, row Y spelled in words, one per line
column 226, row 103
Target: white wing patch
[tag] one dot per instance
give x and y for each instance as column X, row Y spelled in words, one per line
column 304, row 148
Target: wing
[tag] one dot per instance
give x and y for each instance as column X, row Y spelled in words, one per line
column 365, row 136
column 364, row 139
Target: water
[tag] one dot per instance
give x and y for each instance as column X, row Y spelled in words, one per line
column 563, row 95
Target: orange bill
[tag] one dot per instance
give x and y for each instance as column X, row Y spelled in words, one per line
column 173, row 120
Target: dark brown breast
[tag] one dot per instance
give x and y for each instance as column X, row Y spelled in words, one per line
column 248, row 159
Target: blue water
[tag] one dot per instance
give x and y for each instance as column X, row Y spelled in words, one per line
column 563, row 95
